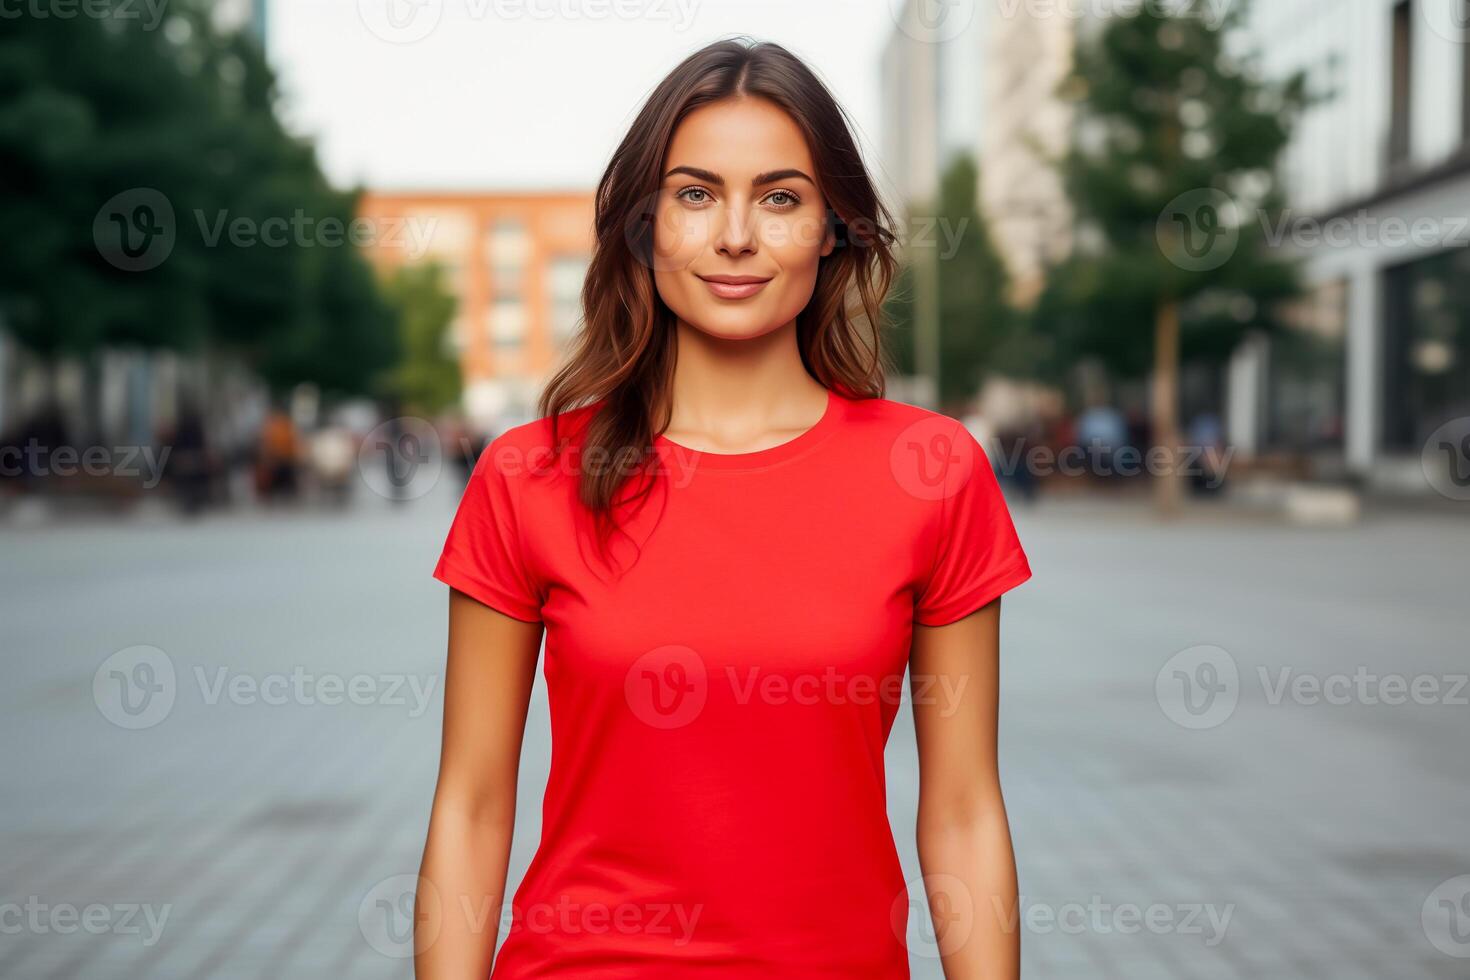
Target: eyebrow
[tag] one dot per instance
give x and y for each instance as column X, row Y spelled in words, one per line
column 769, row 177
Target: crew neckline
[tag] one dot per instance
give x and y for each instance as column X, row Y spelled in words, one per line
column 759, row 458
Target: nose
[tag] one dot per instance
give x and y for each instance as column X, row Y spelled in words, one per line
column 736, row 235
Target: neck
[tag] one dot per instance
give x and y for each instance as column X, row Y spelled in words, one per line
column 737, row 386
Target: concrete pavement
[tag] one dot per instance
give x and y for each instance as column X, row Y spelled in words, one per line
column 1231, row 748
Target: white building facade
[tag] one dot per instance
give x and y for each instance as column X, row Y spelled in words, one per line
column 1378, row 179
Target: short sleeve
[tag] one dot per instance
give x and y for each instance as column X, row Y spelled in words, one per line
column 978, row 556
column 482, row 555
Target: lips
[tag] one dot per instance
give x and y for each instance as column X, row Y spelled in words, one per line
column 735, row 287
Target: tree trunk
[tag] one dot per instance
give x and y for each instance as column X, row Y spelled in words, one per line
column 1168, row 489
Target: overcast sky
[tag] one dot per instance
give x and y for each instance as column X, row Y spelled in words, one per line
column 515, row 93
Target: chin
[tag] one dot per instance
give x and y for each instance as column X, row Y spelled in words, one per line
column 733, row 324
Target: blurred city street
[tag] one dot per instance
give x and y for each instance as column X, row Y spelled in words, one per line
column 1196, row 275
column 253, row 816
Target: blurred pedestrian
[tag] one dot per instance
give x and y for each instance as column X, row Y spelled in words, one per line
column 1205, row 454
column 1014, row 443
column 190, row 466
column 1101, row 432
column 463, row 445
column 277, row 457
column 333, row 455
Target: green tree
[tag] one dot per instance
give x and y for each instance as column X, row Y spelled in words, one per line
column 1172, row 176
column 976, row 322
column 118, row 131
column 427, row 378
column 975, row 314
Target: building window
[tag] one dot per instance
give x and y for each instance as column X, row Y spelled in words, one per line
column 1400, row 97
column 1428, row 347
column 509, row 250
column 1306, row 374
column 1465, row 74
column 452, row 278
column 508, row 324
column 565, row 276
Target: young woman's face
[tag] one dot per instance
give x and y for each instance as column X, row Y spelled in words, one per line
column 738, row 200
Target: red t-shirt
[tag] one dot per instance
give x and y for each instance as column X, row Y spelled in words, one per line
column 721, row 690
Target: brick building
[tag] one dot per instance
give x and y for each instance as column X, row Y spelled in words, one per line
column 516, row 261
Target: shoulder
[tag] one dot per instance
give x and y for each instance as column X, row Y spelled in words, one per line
column 883, row 416
column 930, row 457
column 526, row 449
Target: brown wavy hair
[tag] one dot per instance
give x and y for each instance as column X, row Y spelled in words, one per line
column 624, row 354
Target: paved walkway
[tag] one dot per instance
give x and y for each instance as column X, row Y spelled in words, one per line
column 1181, row 808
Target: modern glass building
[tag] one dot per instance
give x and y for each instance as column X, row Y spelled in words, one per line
column 1379, row 183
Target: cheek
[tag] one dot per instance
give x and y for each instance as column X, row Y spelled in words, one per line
column 795, row 244
column 795, row 241
column 679, row 236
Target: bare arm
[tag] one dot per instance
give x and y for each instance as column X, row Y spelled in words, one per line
column 964, row 840
column 487, row 686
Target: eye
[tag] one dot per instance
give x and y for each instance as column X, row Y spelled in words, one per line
column 791, row 200
column 693, row 190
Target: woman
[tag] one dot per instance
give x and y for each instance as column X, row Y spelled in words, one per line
column 734, row 545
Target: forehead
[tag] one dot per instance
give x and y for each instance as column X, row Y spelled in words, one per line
column 739, row 138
